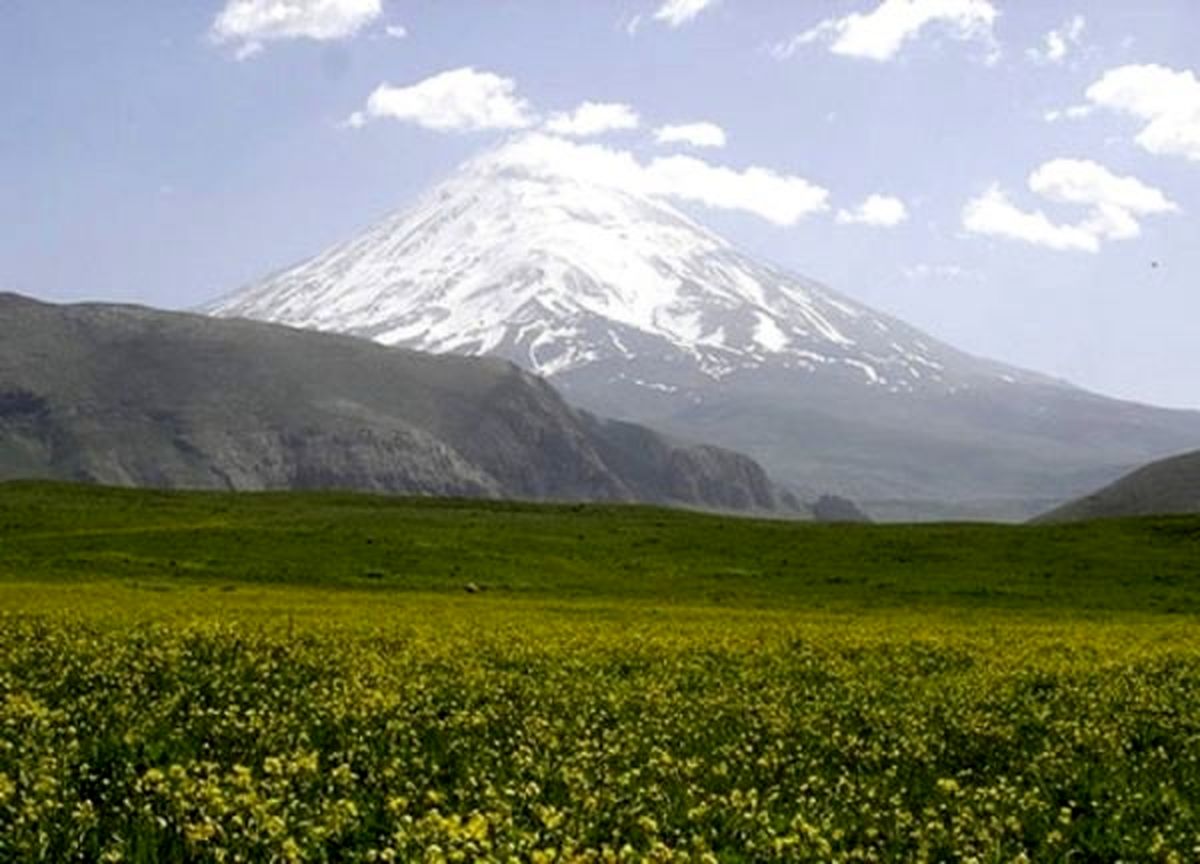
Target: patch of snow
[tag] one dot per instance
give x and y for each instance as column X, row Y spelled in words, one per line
column 867, row 369
column 650, row 385
column 768, row 335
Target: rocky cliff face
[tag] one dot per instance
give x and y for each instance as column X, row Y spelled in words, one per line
column 131, row 396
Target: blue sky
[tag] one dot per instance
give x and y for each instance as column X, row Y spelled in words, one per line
column 1037, row 164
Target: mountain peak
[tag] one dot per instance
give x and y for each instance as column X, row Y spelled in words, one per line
column 560, row 256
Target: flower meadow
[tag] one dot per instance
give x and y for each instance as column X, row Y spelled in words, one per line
column 207, row 728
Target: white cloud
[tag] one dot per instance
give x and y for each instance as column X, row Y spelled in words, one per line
column 594, row 118
column 1114, row 205
column 247, row 50
column 396, row 31
column 880, row 34
column 1082, row 181
column 1071, row 112
column 1116, row 201
column 877, row 211
column 993, row 214
column 779, row 198
column 695, row 134
column 924, row 272
column 250, row 23
column 460, row 100
column 1058, row 43
column 675, row 13
column 465, row 99
column 552, row 156
column 1168, row 101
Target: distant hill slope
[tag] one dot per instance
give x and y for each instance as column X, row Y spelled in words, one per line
column 1164, row 487
column 132, row 396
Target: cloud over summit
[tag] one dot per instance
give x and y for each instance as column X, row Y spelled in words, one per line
column 459, row 100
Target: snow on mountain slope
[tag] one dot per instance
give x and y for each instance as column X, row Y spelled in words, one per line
column 550, row 254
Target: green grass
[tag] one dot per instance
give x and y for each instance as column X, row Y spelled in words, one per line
column 60, row 532
column 206, row 677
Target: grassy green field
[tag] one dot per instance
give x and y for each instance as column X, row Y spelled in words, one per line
column 345, row 678
column 72, row 533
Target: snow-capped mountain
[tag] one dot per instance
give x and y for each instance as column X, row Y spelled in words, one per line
column 556, row 256
column 527, row 253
